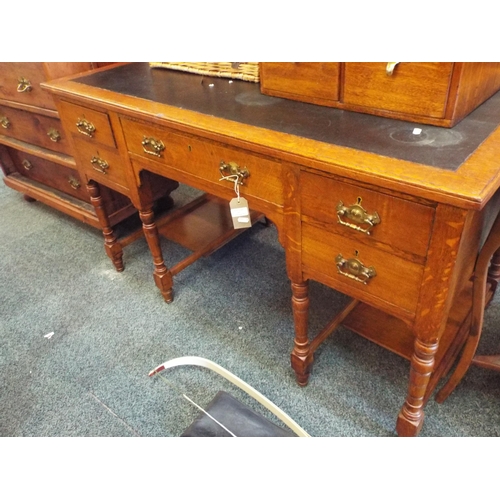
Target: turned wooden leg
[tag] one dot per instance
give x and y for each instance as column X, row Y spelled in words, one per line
column 301, row 357
column 111, row 244
column 162, row 276
column 494, row 271
column 411, row 416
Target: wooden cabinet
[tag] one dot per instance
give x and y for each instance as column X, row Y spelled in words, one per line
column 36, row 155
column 435, row 93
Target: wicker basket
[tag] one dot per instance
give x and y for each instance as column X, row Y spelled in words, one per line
column 248, row 71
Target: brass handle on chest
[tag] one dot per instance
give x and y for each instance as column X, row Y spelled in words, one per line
column 85, row 127
column 27, row 165
column 357, row 214
column 73, row 182
column 233, row 171
column 354, row 269
column 54, row 135
column 152, row 146
column 389, row 69
column 99, row 164
column 24, row 85
column 4, row 122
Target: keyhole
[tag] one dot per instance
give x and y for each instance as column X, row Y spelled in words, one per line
column 189, row 148
column 356, row 253
column 359, row 201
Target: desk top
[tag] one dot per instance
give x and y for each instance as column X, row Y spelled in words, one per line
column 460, row 166
column 243, row 102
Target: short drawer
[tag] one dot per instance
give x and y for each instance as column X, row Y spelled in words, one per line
column 314, row 82
column 371, row 275
column 33, row 128
column 372, row 217
column 202, row 159
column 414, row 88
column 87, row 123
column 51, row 174
column 100, row 163
column 20, row 82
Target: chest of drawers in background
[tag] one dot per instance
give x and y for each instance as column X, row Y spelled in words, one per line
column 434, row 93
column 35, row 154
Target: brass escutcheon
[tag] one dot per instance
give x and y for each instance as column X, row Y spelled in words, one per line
column 24, row 85
column 85, row 127
column 354, row 269
column 27, row 164
column 99, row 164
column 4, row 122
column 234, row 171
column 54, row 135
column 152, row 146
column 357, row 214
column 73, row 182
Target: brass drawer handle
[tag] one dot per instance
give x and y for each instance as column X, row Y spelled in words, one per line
column 54, row 135
column 4, row 122
column 357, row 214
column 99, row 164
column 232, row 171
column 85, row 127
column 354, row 269
column 152, row 146
column 24, row 85
column 73, row 182
column 389, row 69
column 27, row 164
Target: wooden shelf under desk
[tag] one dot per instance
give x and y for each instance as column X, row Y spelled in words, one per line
column 203, row 225
column 395, row 335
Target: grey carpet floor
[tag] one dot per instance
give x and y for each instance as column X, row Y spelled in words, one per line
column 90, row 378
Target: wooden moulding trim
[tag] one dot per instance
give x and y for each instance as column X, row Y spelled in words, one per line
column 463, row 188
column 31, row 109
column 80, row 211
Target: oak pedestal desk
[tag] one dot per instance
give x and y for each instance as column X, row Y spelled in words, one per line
column 366, row 205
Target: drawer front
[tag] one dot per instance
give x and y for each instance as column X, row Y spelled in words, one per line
column 371, row 275
column 352, row 211
column 303, row 81
column 87, row 123
column 50, row 174
column 414, row 88
column 201, row 159
column 35, row 129
column 102, row 164
column 20, row 82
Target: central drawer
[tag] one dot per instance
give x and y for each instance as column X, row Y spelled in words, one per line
column 33, row 128
column 201, row 159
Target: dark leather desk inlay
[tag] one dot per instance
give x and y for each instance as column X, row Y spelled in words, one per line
column 243, row 102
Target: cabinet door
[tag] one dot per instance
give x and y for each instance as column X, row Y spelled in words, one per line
column 314, row 82
column 413, row 88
